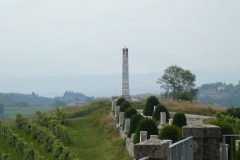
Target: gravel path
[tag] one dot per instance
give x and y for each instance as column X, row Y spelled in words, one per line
column 195, row 119
column 191, row 119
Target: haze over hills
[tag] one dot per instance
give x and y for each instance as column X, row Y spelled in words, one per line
column 101, row 85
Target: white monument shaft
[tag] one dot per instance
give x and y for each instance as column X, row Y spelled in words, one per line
column 125, row 74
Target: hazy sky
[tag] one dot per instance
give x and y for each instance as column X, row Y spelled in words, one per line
column 43, row 37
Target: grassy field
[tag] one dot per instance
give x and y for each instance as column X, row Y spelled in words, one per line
column 92, row 134
column 10, row 112
column 187, row 107
column 192, row 108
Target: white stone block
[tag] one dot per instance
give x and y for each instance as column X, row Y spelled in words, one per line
column 126, row 125
column 117, row 108
column 154, row 136
column 143, row 136
column 121, row 118
column 113, row 105
column 154, row 108
column 170, row 121
column 163, row 118
column 132, row 137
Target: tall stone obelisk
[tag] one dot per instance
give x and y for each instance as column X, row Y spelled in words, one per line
column 125, row 75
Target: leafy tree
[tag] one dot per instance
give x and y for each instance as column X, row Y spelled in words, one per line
column 130, row 112
column 145, row 124
column 160, row 108
column 151, row 102
column 177, row 80
column 58, row 102
column 120, row 101
column 124, row 106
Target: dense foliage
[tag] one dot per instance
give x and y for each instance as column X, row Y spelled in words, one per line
column 4, row 156
column 133, row 123
column 130, row 112
column 158, row 109
column 170, row 132
column 235, row 122
column 178, row 84
column 151, row 102
column 124, row 106
column 179, row 120
column 1, row 109
column 226, row 128
column 23, row 100
column 120, row 101
column 145, row 124
column 235, row 112
column 219, row 93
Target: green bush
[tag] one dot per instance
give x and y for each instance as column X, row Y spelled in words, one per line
column 160, row 108
column 120, row 101
column 226, row 128
column 130, row 112
column 151, row 102
column 179, row 120
column 235, row 112
column 133, row 123
column 145, row 124
column 124, row 106
column 170, row 132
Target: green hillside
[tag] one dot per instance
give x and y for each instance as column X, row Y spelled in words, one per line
column 89, row 133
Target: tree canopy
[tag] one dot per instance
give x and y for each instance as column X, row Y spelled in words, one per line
column 178, row 83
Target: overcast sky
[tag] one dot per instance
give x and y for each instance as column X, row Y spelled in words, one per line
column 57, row 37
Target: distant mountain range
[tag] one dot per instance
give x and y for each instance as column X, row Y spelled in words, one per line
column 105, row 85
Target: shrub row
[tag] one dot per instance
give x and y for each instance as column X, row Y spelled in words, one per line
column 15, row 141
column 4, row 156
column 42, row 135
column 61, row 116
column 54, row 125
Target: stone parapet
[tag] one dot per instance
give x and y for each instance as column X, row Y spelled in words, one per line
column 206, row 140
column 153, row 148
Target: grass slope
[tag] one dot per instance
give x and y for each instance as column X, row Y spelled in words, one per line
column 96, row 137
column 92, row 134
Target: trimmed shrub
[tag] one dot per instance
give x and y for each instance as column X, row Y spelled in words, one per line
column 145, row 124
column 133, row 123
column 124, row 106
column 160, row 108
column 226, row 128
column 130, row 112
column 170, row 132
column 151, row 102
column 120, row 101
column 179, row 120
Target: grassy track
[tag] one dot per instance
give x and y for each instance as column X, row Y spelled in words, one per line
column 96, row 137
